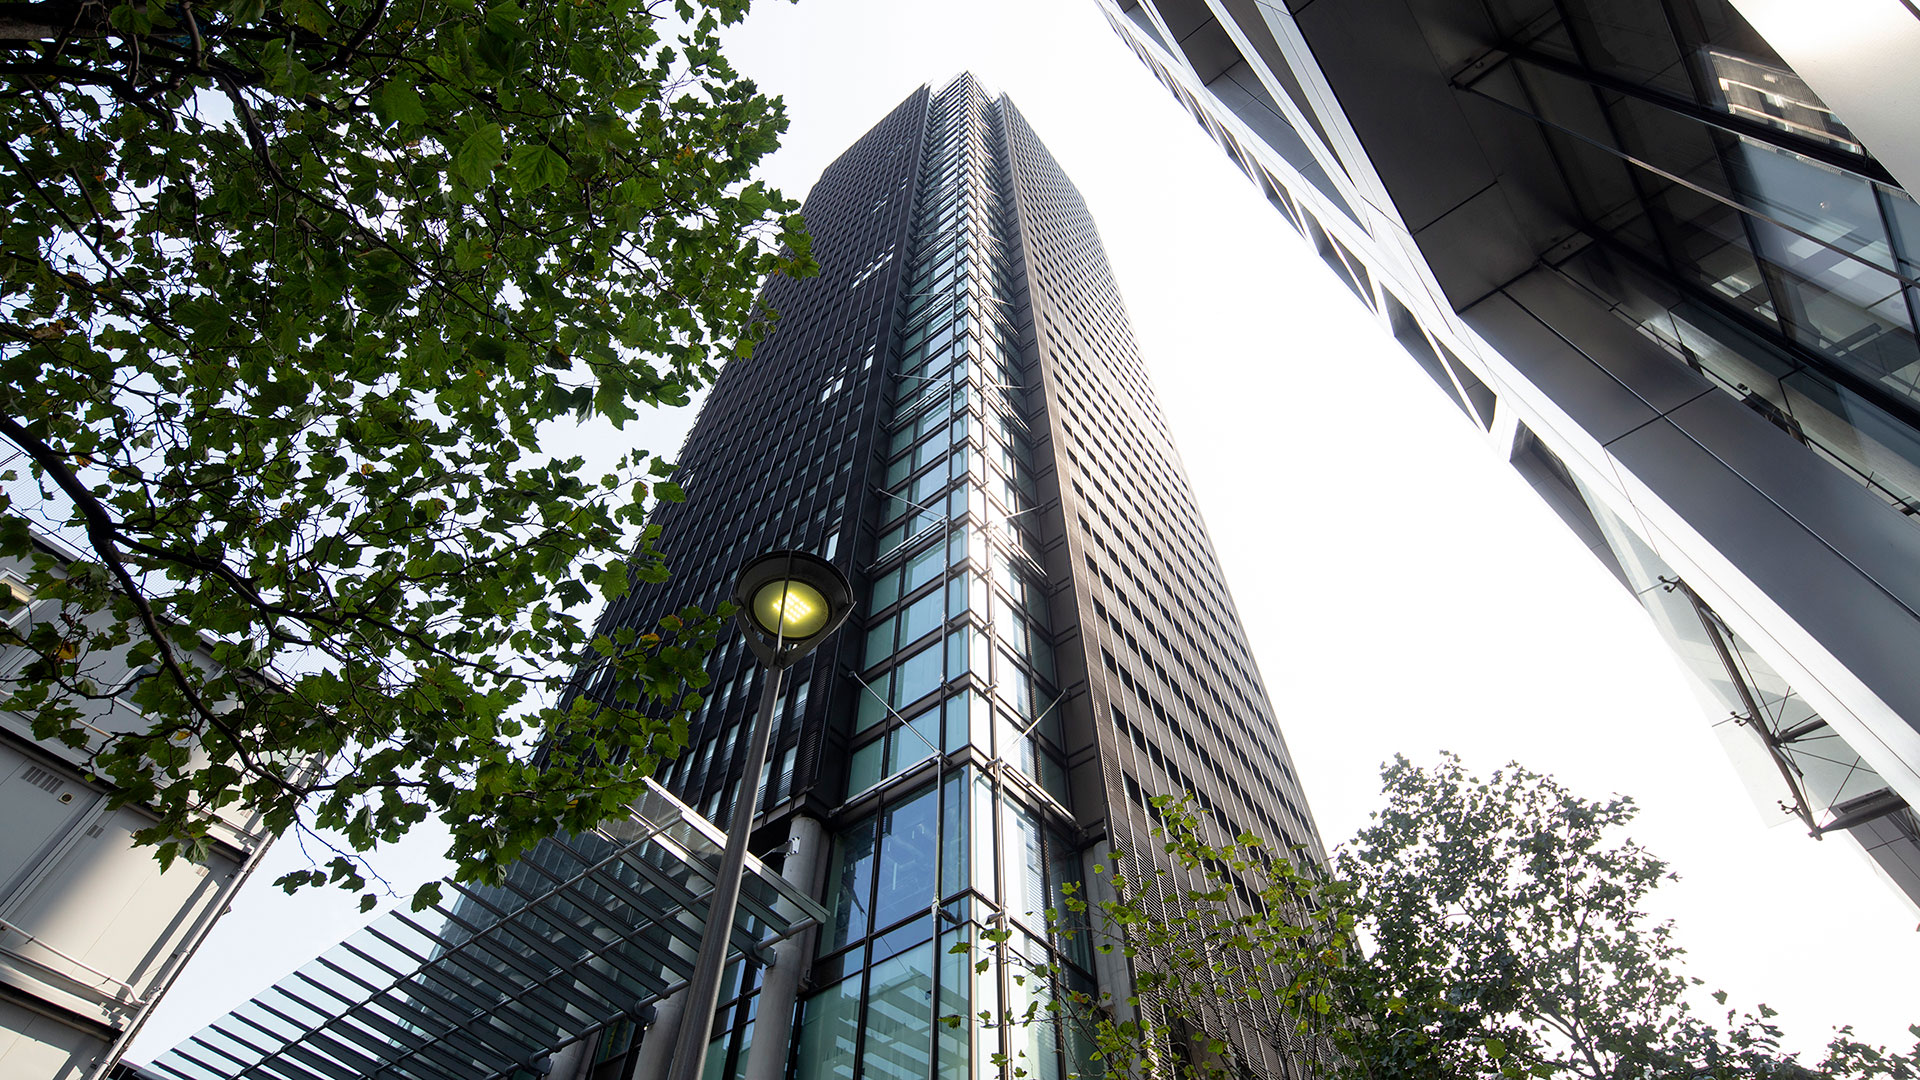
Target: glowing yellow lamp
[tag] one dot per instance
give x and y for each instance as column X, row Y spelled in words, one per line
column 792, row 609
column 788, row 602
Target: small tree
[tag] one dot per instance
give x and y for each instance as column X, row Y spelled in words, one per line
column 1478, row 928
column 293, row 292
column 1235, row 952
column 1521, row 906
column 1517, row 910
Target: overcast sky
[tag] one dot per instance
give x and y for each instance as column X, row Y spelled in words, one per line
column 1403, row 590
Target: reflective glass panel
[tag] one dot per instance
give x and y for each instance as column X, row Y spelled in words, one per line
column 922, row 617
column 924, row 567
column 886, row 589
column 955, row 1002
column 864, row 770
column 1026, row 866
column 919, row 675
column 1063, row 884
column 879, row 642
column 953, row 839
column 909, row 853
column 900, row 1017
column 914, row 742
column 829, row 1027
column 852, row 876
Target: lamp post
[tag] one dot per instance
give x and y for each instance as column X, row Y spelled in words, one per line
column 789, row 602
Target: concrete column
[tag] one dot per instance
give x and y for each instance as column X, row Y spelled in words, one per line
column 780, row 983
column 573, row 1061
column 656, row 1043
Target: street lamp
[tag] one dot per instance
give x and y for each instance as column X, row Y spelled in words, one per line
column 789, row 602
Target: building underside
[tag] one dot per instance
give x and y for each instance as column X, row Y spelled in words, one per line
column 1663, row 254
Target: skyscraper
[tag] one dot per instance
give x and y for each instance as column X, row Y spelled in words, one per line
column 953, row 412
column 1664, row 255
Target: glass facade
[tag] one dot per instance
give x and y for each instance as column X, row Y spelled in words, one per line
column 1003, row 456
column 1024, row 668
column 1737, row 220
column 1676, row 289
column 1738, row 223
column 928, row 869
column 956, row 752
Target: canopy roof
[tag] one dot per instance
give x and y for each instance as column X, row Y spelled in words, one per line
column 586, row 931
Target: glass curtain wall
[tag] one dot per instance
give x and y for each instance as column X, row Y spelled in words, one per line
column 957, row 816
column 1738, row 220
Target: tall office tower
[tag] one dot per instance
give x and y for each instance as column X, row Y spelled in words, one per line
column 1664, row 254
column 954, row 412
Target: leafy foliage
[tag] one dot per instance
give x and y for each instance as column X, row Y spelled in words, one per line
column 1235, row 954
column 292, row 292
column 1521, row 907
column 1477, row 928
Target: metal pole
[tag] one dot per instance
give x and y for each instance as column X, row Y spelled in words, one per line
column 703, row 990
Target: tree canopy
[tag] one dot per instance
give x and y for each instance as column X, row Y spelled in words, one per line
column 292, row 292
column 1479, row 927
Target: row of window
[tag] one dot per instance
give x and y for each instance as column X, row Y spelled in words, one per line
column 937, row 860
column 1245, row 691
column 1079, row 273
column 1151, row 502
column 1162, row 482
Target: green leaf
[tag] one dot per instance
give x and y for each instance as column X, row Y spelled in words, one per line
column 402, row 103
column 536, row 165
column 351, row 330
column 478, row 155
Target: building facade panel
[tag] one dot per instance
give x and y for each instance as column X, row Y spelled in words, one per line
column 953, row 412
column 1043, row 642
column 1684, row 283
column 92, row 930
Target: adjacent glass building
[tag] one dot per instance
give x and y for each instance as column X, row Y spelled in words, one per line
column 1664, row 254
column 955, row 413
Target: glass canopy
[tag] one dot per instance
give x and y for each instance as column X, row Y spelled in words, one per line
column 586, row 931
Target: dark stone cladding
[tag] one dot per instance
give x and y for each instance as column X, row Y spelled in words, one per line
column 861, row 207
column 1161, row 693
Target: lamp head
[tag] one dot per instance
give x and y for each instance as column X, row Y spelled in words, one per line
column 789, row 601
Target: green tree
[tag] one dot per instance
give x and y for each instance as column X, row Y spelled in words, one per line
column 1237, row 953
column 1516, row 910
column 1521, row 906
column 1478, row 927
column 292, row 292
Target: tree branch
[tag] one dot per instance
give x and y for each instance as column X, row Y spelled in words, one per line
column 51, row 20
column 101, row 533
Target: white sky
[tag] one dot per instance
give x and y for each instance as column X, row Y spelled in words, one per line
column 1403, row 590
